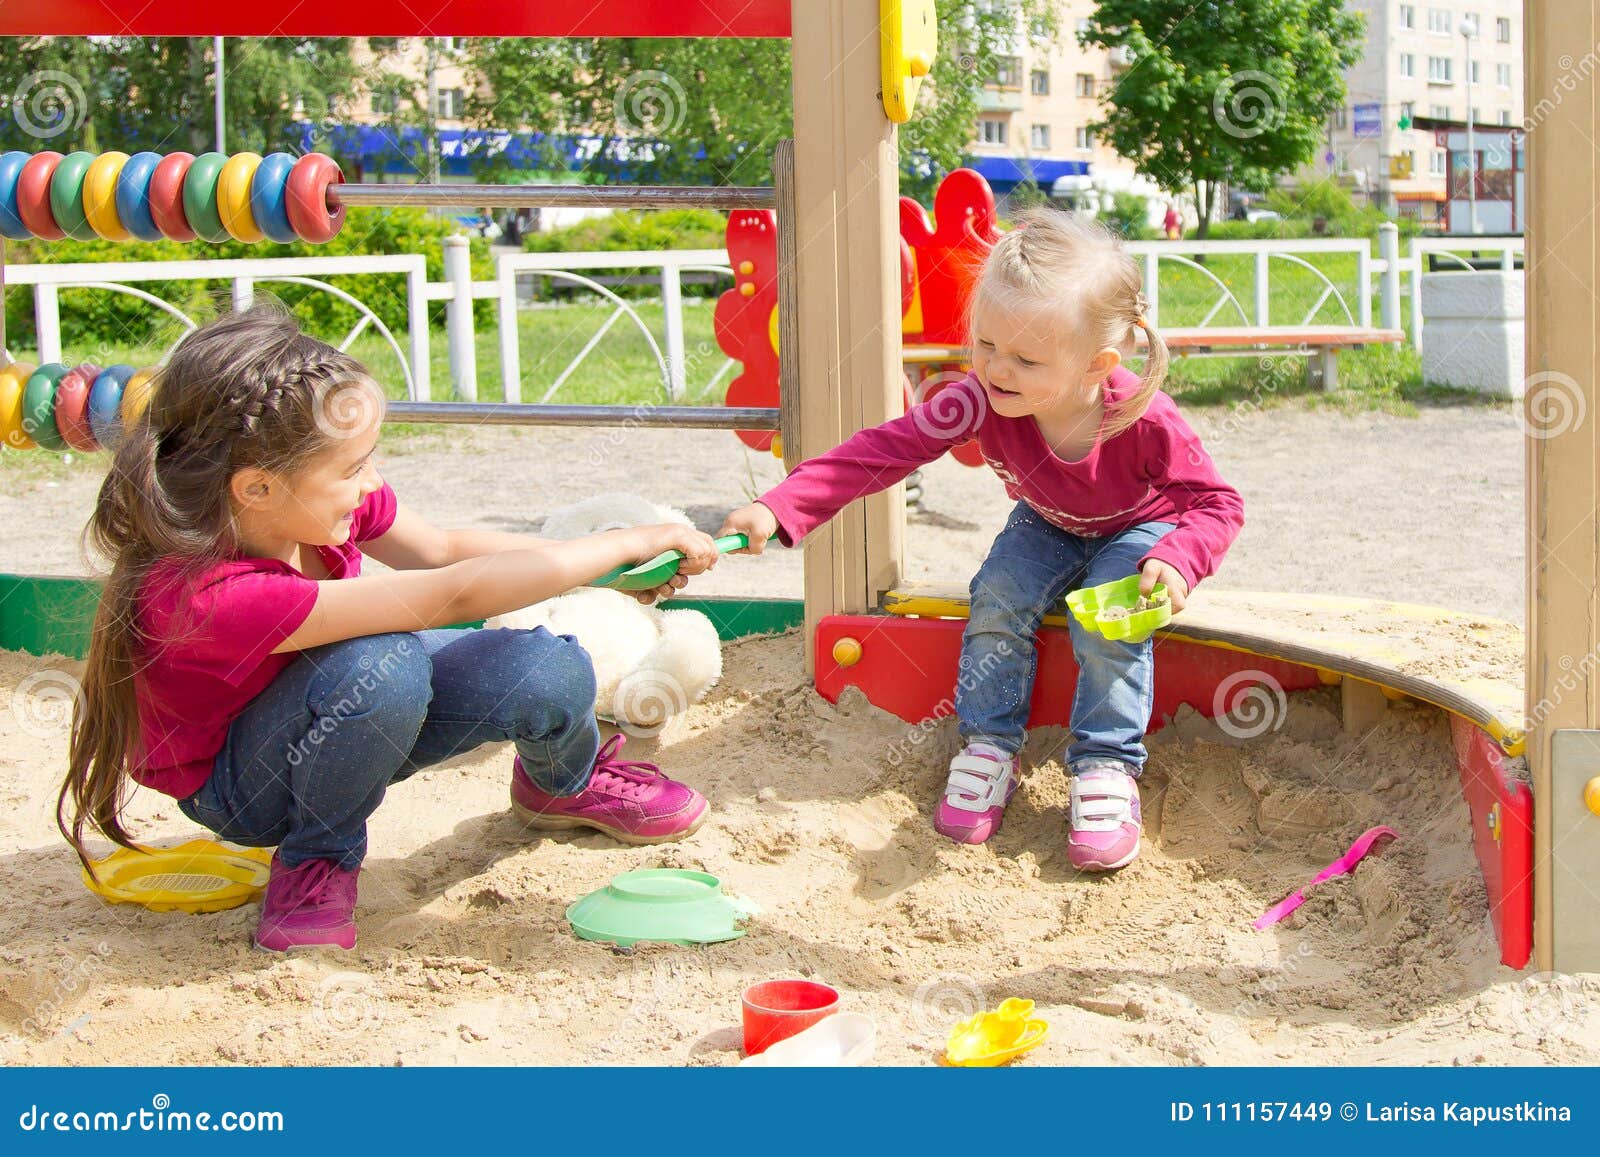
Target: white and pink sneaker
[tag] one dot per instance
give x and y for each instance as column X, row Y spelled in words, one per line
column 982, row 780
column 1104, row 824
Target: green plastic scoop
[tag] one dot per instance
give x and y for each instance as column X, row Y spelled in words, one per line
column 658, row 571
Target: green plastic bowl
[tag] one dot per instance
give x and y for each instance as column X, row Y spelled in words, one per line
column 663, row 905
column 1090, row 604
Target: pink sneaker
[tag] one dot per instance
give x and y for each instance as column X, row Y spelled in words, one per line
column 311, row 905
column 982, row 781
column 629, row 801
column 1104, row 825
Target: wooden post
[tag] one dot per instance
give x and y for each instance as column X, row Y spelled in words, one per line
column 1561, row 410
column 846, row 167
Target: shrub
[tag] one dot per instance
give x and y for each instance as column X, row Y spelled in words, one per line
column 1129, row 216
column 96, row 316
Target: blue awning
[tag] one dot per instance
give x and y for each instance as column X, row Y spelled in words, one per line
column 405, row 150
column 1004, row 173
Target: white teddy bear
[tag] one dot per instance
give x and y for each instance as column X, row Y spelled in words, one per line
column 649, row 664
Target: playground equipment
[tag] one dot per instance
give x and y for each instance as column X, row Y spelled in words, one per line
column 996, row 1036
column 840, row 295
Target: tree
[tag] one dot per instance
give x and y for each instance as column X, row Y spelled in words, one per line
column 132, row 93
column 712, row 111
column 1223, row 92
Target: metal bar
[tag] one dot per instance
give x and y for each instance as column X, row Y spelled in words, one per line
column 557, row 196
column 643, row 416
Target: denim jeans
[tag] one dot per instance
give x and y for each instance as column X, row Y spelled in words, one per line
column 1031, row 565
column 310, row 758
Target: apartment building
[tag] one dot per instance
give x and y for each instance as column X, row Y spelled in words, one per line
column 1422, row 59
column 1035, row 112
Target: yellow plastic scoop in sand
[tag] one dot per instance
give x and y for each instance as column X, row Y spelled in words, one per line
column 993, row 1038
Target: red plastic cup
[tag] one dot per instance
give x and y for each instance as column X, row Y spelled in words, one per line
column 775, row 1010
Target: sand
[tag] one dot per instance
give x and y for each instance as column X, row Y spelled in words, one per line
column 821, row 818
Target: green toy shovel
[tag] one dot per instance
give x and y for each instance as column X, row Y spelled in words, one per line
column 659, row 570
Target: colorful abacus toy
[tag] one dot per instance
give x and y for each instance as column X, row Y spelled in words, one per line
column 58, row 407
column 182, row 197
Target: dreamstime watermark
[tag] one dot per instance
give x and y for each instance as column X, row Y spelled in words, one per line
column 971, row 675
column 77, row 974
column 49, row 103
column 645, row 701
column 373, row 675
column 1261, row 706
column 942, row 408
column 946, row 1000
column 1244, row 409
column 1545, row 1003
column 1572, row 71
column 1257, row 999
column 651, row 102
column 1552, row 405
column 1575, row 673
column 1248, row 104
column 42, row 703
column 346, row 410
column 348, row 1004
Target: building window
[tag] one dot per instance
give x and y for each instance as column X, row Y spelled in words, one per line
column 1085, row 137
column 1408, row 109
column 1436, row 162
column 1085, row 84
column 1502, row 30
column 1408, row 16
column 994, row 132
column 1439, row 70
column 1039, row 82
column 1039, row 137
column 1008, row 72
column 452, row 104
column 385, row 100
column 1440, row 112
column 1408, row 65
column 1339, row 119
column 1473, row 73
column 1439, row 21
column 1502, row 75
column 1505, row 116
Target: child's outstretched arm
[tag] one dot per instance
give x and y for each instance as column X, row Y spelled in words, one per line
column 1210, row 513
column 414, row 543
column 871, row 461
column 491, row 584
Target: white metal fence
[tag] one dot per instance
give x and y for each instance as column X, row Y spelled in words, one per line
column 1384, row 277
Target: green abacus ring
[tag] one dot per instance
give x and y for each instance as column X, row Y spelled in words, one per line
column 39, row 406
column 200, row 197
column 66, row 197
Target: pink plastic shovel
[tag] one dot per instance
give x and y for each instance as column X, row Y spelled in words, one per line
column 1344, row 865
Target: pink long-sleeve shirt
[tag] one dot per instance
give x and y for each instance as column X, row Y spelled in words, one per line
column 1155, row 471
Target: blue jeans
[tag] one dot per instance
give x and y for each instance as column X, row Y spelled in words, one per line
column 1031, row 565
column 310, row 758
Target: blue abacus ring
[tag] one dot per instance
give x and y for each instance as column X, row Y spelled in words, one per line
column 11, row 226
column 133, row 196
column 269, row 197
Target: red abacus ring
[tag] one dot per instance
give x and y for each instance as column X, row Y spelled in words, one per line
column 33, row 196
column 307, row 196
column 166, row 196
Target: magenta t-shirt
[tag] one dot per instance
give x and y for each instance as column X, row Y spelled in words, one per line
column 1155, row 471
column 212, row 648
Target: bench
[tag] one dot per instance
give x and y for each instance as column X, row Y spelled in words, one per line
column 1321, row 343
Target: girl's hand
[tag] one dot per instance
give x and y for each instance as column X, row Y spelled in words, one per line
column 664, row 591
column 699, row 552
column 1155, row 571
column 755, row 521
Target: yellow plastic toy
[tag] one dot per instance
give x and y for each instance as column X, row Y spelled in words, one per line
column 199, row 876
column 993, row 1038
column 909, row 40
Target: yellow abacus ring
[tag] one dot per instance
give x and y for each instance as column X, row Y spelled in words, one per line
column 233, row 197
column 100, row 196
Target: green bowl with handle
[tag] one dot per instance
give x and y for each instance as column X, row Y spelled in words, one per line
column 1109, row 610
column 658, row 571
